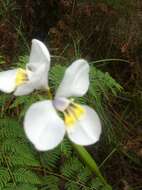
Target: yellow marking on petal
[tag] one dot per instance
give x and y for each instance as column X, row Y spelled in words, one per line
column 21, row 77
column 69, row 118
column 73, row 114
column 78, row 110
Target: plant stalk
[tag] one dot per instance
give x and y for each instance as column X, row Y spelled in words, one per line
column 49, row 94
column 87, row 158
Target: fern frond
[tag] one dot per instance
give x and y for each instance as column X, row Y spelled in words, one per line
column 4, row 177
column 24, row 102
column 22, row 60
column 72, row 186
column 50, row 158
column 52, row 182
column 20, row 187
column 102, row 83
column 23, row 175
column 10, row 128
column 55, row 75
column 25, row 158
column 96, row 184
column 84, row 175
column 66, row 147
column 71, row 168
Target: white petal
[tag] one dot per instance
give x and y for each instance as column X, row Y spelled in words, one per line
column 39, row 56
column 87, row 130
column 44, row 128
column 37, row 80
column 75, row 81
column 39, row 64
column 40, row 76
column 7, row 80
column 25, row 89
column 61, row 103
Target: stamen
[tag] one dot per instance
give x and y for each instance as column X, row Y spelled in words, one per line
column 69, row 118
column 21, row 77
column 72, row 114
column 77, row 110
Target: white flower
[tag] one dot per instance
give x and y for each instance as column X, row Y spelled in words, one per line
column 35, row 76
column 45, row 128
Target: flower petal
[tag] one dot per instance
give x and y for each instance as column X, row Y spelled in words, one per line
column 37, row 80
column 7, row 80
column 61, row 103
column 25, row 89
column 87, row 129
column 75, row 81
column 37, row 69
column 44, row 128
column 39, row 56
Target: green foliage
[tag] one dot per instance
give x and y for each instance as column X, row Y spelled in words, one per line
column 4, row 177
column 15, row 153
column 20, row 187
column 1, row 60
column 51, row 182
column 22, row 167
column 23, row 175
column 101, row 83
column 7, row 6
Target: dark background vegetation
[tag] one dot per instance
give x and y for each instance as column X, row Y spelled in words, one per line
column 95, row 30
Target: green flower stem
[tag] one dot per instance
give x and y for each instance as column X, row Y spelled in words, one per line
column 49, row 94
column 87, row 158
column 109, row 60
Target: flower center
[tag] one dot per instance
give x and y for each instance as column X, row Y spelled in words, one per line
column 21, row 77
column 72, row 114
